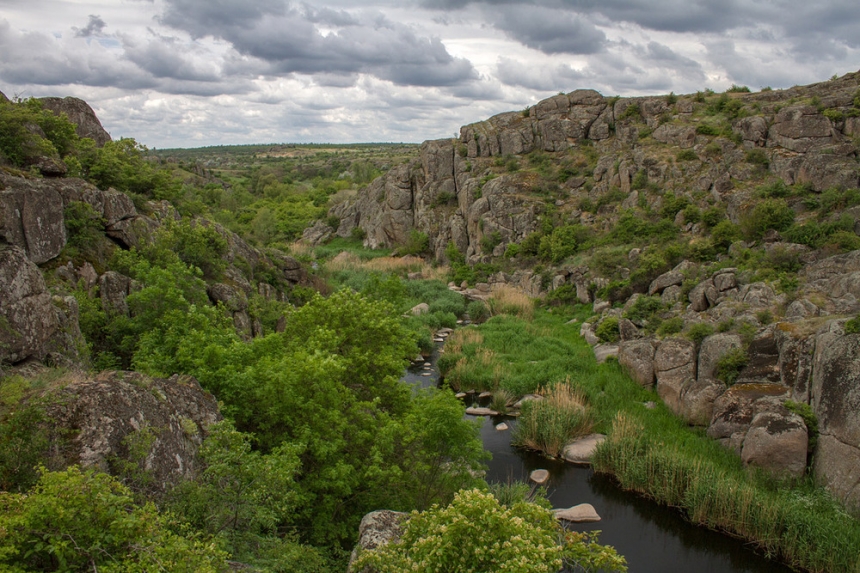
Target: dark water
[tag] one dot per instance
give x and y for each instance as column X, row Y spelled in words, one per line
column 653, row 538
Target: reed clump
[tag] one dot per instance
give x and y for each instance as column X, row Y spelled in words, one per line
column 800, row 525
column 550, row 424
column 508, row 300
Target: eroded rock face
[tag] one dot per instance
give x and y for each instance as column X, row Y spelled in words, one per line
column 637, row 358
column 674, row 365
column 31, row 217
column 28, row 319
column 736, row 408
column 101, row 413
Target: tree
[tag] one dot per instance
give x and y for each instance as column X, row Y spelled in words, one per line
column 77, row 520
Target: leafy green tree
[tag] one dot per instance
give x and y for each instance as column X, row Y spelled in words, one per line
column 122, row 164
column 77, row 520
column 27, row 131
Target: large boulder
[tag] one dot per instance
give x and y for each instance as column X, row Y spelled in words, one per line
column 637, row 359
column 377, row 528
column 674, row 365
column 81, row 114
column 98, row 418
column 777, row 442
column 697, row 399
column 735, row 409
column 800, row 128
column 31, row 217
column 28, row 318
column 713, row 349
column 836, row 402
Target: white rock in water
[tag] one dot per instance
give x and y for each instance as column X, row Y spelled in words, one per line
column 581, row 450
column 582, row 513
column 502, row 427
column 460, row 395
column 481, row 412
column 485, row 395
column 540, row 477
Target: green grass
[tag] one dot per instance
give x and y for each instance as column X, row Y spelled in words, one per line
column 654, row 452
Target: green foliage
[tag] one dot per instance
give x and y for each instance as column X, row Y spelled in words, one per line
column 607, row 330
column 23, row 435
column 563, row 242
column 417, row 244
column 644, row 309
column 548, row 425
column 757, row 157
column 730, row 365
column 804, row 410
column 686, row 155
column 477, row 311
column 725, row 233
column 706, row 129
column 632, row 111
column 670, row 326
column 765, row 215
column 490, row 241
column 122, row 164
column 672, row 204
column 699, row 331
column 738, row 89
column 853, row 326
column 84, row 226
column 246, row 498
column 81, row 521
column 476, row 533
column 20, row 139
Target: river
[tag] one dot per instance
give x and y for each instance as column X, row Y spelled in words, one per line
column 653, row 538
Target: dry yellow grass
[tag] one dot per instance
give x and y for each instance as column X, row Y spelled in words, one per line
column 461, row 338
column 394, row 265
column 508, row 300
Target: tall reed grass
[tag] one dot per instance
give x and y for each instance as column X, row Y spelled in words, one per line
column 802, row 526
column 655, row 453
column 550, row 424
column 508, row 300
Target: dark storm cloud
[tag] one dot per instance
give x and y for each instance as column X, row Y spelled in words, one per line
column 551, row 31
column 288, row 40
column 164, row 57
column 93, row 28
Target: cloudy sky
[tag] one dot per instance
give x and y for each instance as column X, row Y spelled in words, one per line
column 187, row 73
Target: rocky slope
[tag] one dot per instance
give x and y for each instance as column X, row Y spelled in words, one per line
column 595, row 165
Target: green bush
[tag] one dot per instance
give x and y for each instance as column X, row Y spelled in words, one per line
column 699, row 331
column 768, row 214
column 853, row 326
column 417, row 244
column 670, row 326
column 607, row 330
column 644, row 308
column 21, row 144
column 476, row 533
column 686, row 155
column 705, row 129
column 804, row 410
column 730, row 365
column 86, row 521
column 725, row 233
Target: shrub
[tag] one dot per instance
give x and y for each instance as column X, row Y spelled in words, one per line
column 607, row 330
column 699, row 331
column 705, row 129
column 631, row 112
column 417, row 244
column 844, row 241
column 804, row 410
column 85, row 521
column 768, row 214
column 738, row 89
column 476, row 533
column 477, row 311
column 687, row 155
column 550, row 424
column 853, row 326
column 671, row 326
column 757, row 157
column 730, row 365
column 644, row 308
column 725, row 233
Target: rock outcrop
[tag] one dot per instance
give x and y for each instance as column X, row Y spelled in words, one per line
column 98, row 418
column 377, row 528
column 81, row 114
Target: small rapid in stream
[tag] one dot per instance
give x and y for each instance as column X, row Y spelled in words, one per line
column 653, row 538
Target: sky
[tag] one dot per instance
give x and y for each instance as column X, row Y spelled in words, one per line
column 191, row 73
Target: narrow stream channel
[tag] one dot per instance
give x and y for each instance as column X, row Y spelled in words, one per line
column 653, row 538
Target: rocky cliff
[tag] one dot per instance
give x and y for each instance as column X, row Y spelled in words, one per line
column 619, row 200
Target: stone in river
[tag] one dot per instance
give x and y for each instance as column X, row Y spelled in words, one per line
column 481, row 412
column 502, row 427
column 581, row 450
column 582, row 513
column 540, row 477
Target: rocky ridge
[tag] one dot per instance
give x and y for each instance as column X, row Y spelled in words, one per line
column 619, row 155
